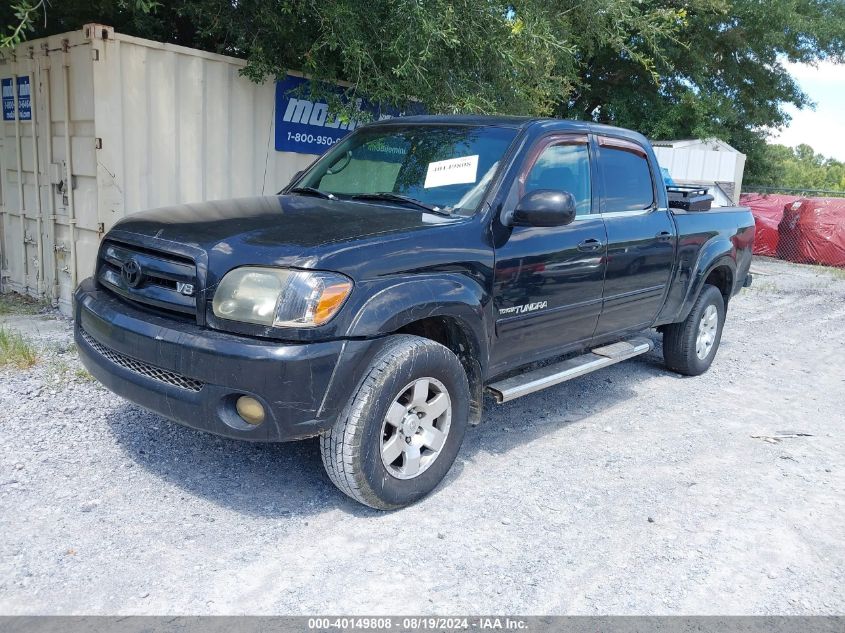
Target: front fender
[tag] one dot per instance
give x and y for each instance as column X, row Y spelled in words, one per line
column 403, row 300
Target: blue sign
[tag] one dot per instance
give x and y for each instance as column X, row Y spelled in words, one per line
column 24, row 107
column 306, row 127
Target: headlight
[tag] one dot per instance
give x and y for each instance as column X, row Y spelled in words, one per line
column 280, row 297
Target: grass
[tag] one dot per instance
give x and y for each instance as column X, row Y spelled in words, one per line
column 63, row 372
column 82, row 375
column 16, row 350
column 61, row 369
column 14, row 303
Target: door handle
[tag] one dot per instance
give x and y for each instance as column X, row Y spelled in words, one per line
column 664, row 236
column 590, row 245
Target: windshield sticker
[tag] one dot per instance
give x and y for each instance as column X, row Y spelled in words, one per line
column 454, row 171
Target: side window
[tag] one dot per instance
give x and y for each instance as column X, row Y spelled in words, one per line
column 626, row 180
column 564, row 167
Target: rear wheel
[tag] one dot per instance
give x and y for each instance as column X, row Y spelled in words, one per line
column 689, row 347
column 401, row 432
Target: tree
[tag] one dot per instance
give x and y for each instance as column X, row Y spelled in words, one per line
column 669, row 68
column 483, row 56
column 800, row 168
column 486, row 56
column 162, row 21
column 720, row 75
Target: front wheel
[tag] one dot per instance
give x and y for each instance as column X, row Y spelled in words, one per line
column 401, row 432
column 689, row 347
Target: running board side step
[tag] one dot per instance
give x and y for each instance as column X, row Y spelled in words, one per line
column 537, row 379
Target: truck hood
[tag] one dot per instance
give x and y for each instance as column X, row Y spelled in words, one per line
column 285, row 230
column 302, row 221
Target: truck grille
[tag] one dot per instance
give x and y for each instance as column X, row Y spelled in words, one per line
column 142, row 368
column 160, row 280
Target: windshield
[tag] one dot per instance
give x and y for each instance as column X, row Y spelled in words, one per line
column 446, row 168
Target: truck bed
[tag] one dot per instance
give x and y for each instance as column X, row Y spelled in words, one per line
column 729, row 230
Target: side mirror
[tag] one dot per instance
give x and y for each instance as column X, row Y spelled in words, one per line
column 545, row 207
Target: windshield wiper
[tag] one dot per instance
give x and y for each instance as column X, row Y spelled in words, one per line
column 397, row 197
column 313, row 191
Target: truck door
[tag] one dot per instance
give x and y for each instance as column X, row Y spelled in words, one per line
column 640, row 237
column 547, row 287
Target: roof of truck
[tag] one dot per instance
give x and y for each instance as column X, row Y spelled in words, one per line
column 516, row 122
column 464, row 119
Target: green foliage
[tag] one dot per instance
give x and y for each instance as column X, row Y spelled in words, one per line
column 24, row 19
column 487, row 56
column 454, row 56
column 16, row 350
column 23, row 13
column 677, row 68
column 720, row 74
column 798, row 168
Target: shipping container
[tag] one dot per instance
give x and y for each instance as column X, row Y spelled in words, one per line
column 97, row 125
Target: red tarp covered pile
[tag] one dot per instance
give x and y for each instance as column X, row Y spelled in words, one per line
column 812, row 231
column 768, row 212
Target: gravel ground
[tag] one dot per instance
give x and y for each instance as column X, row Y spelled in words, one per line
column 628, row 491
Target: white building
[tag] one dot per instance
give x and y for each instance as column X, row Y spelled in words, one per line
column 709, row 162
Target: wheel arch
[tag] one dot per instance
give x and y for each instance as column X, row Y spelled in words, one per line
column 722, row 277
column 453, row 333
column 721, row 273
column 448, row 309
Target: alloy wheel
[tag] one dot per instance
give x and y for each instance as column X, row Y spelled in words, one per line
column 415, row 428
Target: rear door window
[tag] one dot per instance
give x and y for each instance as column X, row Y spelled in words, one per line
column 625, row 178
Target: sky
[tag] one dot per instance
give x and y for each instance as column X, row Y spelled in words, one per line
column 823, row 129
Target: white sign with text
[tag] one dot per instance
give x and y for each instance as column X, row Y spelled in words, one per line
column 454, row 171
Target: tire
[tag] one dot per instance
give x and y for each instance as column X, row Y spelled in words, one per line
column 371, row 430
column 685, row 345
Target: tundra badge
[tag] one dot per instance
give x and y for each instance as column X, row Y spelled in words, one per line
column 526, row 307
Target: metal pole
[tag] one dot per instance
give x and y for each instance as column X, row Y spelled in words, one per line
column 69, row 167
column 37, row 170
column 48, row 115
column 21, row 201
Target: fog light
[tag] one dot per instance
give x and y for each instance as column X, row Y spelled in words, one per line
column 250, row 410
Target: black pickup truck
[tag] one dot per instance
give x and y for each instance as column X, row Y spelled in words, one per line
column 419, row 263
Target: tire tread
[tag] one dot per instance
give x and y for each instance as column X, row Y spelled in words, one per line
column 679, row 338
column 341, row 444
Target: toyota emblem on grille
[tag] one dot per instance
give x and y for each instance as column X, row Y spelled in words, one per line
column 131, row 273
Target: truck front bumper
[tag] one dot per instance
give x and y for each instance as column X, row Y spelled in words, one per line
column 194, row 375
